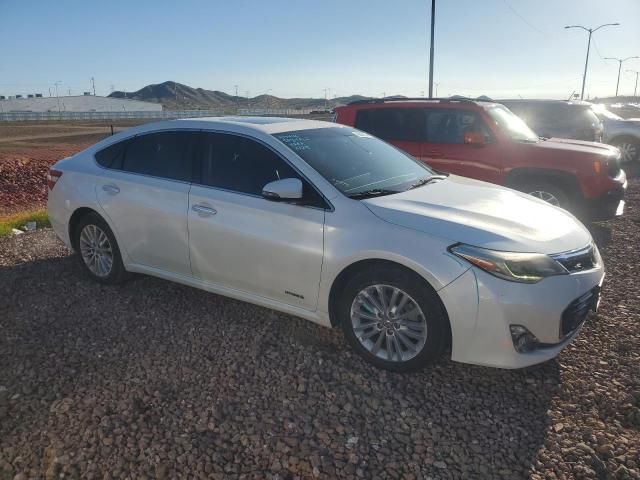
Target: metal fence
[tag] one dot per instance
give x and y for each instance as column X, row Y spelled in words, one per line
column 160, row 114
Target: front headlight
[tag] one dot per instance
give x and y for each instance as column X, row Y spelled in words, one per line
column 512, row 266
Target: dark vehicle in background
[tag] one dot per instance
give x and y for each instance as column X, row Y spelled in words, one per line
column 558, row 118
column 621, row 132
column 486, row 141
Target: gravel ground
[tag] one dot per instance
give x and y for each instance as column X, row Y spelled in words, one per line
column 156, row 380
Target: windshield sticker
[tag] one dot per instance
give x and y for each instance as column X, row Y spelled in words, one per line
column 295, row 142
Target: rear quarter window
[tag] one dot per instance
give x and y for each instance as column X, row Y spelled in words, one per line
column 403, row 124
column 111, row 157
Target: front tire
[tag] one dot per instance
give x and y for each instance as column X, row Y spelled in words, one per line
column 393, row 319
column 98, row 250
column 629, row 149
column 550, row 192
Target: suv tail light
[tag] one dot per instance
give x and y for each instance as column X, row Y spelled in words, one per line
column 52, row 177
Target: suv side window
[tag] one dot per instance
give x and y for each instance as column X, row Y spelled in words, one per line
column 448, row 125
column 163, row 154
column 403, row 124
column 242, row 165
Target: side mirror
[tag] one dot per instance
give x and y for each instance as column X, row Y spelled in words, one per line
column 473, row 138
column 284, row 189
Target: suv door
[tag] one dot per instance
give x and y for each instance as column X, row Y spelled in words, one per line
column 403, row 127
column 447, row 151
column 239, row 239
column 144, row 190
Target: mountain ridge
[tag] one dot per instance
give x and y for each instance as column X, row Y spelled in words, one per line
column 177, row 96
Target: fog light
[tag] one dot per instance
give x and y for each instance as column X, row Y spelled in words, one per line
column 523, row 340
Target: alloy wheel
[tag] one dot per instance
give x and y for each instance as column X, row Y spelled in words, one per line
column 96, row 250
column 388, row 323
column 628, row 152
column 546, row 196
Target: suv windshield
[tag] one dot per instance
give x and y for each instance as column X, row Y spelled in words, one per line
column 511, row 124
column 355, row 162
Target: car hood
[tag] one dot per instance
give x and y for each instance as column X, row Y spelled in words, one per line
column 478, row 213
column 577, row 146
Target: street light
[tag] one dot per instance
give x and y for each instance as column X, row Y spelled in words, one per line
column 586, row 62
column 620, row 62
column 433, row 26
column 635, row 90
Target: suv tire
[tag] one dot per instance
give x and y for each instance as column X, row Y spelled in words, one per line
column 548, row 191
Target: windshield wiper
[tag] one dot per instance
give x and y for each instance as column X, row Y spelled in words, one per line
column 425, row 180
column 375, row 192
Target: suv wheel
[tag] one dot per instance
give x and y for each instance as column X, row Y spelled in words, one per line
column 98, row 250
column 393, row 319
column 547, row 191
column 629, row 149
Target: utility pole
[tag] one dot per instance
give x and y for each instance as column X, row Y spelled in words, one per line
column 57, row 97
column 93, row 84
column 49, row 91
column 237, row 99
column 433, row 25
column 620, row 62
column 69, row 91
column 635, row 90
column 248, row 102
column 436, row 84
column 586, row 62
column 326, row 93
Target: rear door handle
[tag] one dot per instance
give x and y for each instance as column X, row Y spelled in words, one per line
column 111, row 189
column 204, row 210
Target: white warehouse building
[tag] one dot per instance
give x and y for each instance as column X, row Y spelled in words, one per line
column 76, row 103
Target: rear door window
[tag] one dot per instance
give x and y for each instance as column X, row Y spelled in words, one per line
column 163, row 154
column 400, row 124
column 448, row 125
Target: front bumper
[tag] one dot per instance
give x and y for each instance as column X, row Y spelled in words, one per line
column 482, row 307
column 610, row 204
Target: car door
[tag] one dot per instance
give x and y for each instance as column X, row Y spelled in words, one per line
column 446, row 150
column 145, row 193
column 239, row 239
column 403, row 127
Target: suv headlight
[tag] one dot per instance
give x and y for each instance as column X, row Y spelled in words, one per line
column 511, row 266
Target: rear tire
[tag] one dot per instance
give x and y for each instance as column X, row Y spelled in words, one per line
column 98, row 250
column 409, row 331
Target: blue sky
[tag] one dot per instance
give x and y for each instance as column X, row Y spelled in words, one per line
column 501, row 48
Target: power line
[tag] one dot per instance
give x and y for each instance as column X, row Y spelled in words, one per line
column 523, row 19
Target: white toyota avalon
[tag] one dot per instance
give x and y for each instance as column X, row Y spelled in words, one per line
column 333, row 225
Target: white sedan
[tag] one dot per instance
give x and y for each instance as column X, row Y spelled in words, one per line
column 333, row 225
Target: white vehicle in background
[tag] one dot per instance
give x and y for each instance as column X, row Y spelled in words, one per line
column 621, row 132
column 333, row 225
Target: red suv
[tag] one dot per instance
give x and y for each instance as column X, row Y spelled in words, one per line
column 486, row 141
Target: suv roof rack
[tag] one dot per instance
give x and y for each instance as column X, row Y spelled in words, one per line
column 424, row 99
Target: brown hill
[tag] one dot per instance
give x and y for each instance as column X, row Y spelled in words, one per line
column 177, row 96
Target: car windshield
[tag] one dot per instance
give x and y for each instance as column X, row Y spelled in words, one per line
column 355, row 162
column 602, row 112
column 511, row 124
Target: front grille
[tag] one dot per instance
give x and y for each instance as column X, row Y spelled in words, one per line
column 577, row 311
column 578, row 260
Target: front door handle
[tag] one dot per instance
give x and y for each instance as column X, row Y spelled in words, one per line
column 204, row 210
column 111, row 189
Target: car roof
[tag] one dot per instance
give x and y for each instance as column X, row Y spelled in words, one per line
column 537, row 101
column 420, row 101
column 268, row 125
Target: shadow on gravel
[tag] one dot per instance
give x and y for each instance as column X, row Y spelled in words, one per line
column 152, row 370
